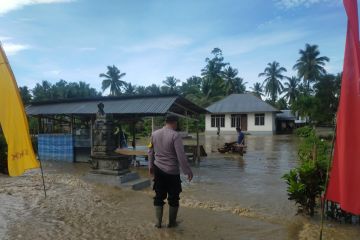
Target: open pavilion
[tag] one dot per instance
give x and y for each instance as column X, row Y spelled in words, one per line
column 72, row 120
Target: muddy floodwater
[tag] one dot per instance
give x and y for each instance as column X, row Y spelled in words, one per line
column 231, row 197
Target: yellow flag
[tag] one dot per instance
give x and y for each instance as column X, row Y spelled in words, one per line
column 14, row 123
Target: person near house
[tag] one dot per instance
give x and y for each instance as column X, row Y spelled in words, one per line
column 241, row 136
column 166, row 157
column 218, row 130
column 240, row 141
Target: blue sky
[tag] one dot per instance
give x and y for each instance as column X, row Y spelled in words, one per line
column 150, row 39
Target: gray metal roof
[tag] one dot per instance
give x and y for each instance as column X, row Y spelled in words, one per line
column 241, row 103
column 286, row 115
column 139, row 105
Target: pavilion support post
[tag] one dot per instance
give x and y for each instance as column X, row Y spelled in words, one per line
column 72, row 125
column 152, row 124
column 72, row 135
column 91, row 136
column 197, row 142
column 134, row 136
column 187, row 122
column 39, row 125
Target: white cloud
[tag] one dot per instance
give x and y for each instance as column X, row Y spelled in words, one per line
column 87, row 49
column 298, row 3
column 162, row 43
column 10, row 47
column 14, row 48
column 275, row 21
column 10, row 5
column 4, row 38
column 53, row 72
column 244, row 44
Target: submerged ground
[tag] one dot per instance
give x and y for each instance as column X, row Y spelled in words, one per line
column 230, row 198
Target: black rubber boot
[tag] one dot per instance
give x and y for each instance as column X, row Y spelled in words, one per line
column 159, row 215
column 173, row 211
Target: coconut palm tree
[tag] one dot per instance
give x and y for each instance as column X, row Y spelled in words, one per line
column 153, row 89
column 192, row 85
column 141, row 90
column 239, row 85
column 25, row 95
column 112, row 80
column 233, row 84
column 212, row 74
column 310, row 66
column 129, row 89
column 257, row 90
column 272, row 83
column 281, row 104
column 291, row 89
column 229, row 74
column 43, row 91
column 170, row 85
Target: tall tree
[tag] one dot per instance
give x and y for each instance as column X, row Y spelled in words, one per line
column 233, row 83
column 192, row 85
column 257, row 90
column 281, row 104
column 25, row 95
column 239, row 85
column 310, row 66
column 129, row 89
column 83, row 89
column 141, row 90
column 171, row 85
column 112, row 79
column 326, row 88
column 42, row 91
column 153, row 89
column 213, row 82
column 60, row 89
column 273, row 74
column 191, row 89
column 291, row 89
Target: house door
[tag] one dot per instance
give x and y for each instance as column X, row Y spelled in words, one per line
column 244, row 122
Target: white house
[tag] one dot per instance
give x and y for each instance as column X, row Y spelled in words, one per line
column 246, row 111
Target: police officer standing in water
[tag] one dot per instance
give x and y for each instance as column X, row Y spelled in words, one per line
column 166, row 157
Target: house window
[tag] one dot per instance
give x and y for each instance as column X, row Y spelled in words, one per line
column 218, row 120
column 260, row 119
column 235, row 120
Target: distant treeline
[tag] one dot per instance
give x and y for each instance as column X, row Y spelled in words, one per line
column 313, row 93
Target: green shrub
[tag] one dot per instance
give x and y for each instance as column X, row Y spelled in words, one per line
column 305, row 185
column 304, row 131
column 306, row 182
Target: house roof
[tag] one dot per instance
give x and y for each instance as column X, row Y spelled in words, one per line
column 286, row 115
column 241, row 103
column 127, row 105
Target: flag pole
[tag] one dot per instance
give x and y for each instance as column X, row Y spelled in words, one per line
column 327, row 181
column 42, row 176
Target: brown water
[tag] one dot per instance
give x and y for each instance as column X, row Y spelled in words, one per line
column 230, row 198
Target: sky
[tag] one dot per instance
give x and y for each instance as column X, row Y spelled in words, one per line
column 149, row 40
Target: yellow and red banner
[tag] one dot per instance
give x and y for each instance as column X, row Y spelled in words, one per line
column 14, row 122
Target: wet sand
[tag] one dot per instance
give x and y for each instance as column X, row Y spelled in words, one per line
column 230, row 198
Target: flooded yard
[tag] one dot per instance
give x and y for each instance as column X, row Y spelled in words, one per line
column 231, row 197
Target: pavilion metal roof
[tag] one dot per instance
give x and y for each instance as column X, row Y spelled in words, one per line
column 241, row 103
column 126, row 105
